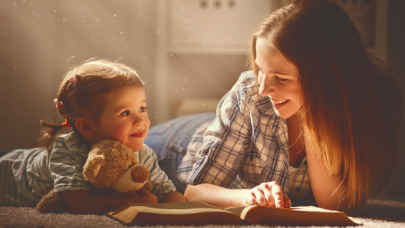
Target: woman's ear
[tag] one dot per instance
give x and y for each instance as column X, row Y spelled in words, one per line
column 85, row 127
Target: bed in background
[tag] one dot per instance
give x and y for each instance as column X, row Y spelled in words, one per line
column 189, row 106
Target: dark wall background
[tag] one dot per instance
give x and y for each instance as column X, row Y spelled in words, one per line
column 396, row 63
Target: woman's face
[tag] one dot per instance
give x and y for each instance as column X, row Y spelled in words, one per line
column 278, row 79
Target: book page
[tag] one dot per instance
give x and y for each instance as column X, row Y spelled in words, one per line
column 296, row 216
column 181, row 213
column 189, row 207
column 313, row 209
column 240, row 211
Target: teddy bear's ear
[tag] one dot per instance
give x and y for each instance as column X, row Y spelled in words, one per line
column 92, row 167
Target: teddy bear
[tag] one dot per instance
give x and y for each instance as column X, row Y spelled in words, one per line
column 110, row 165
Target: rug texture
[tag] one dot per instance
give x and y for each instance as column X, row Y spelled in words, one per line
column 376, row 213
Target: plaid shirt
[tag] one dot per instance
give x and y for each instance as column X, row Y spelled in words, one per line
column 246, row 144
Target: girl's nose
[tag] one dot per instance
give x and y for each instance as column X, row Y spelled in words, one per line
column 138, row 120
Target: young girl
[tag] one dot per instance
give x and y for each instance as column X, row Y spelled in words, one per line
column 315, row 121
column 99, row 100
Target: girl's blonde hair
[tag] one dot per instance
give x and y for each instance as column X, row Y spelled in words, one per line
column 352, row 105
column 84, row 98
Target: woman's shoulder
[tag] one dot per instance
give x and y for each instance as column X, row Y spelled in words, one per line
column 248, row 87
column 248, row 83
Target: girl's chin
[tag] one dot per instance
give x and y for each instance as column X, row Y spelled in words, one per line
column 136, row 148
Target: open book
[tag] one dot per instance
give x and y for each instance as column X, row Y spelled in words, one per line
column 197, row 213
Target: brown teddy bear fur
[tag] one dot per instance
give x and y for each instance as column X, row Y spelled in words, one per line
column 51, row 203
column 113, row 157
column 106, row 163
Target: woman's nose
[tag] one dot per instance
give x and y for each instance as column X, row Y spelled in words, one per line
column 267, row 86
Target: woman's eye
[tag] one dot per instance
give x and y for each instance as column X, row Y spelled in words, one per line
column 282, row 80
column 142, row 109
column 125, row 113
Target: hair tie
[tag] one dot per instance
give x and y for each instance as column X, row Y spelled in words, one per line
column 58, row 104
column 73, row 78
column 66, row 124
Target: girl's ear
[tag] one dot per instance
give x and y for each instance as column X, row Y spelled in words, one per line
column 85, row 127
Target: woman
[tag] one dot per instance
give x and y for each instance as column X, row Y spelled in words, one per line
column 312, row 118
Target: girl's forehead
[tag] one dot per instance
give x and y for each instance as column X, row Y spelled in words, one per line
column 128, row 93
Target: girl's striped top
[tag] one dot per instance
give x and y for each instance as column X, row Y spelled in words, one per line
column 27, row 174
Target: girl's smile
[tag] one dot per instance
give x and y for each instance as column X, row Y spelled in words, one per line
column 138, row 135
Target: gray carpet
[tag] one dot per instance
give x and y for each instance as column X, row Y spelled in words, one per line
column 376, row 213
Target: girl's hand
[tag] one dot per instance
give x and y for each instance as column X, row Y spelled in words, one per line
column 146, row 197
column 267, row 194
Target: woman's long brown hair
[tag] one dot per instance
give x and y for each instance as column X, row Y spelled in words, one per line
column 352, row 104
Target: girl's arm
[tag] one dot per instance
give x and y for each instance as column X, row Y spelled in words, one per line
column 329, row 191
column 173, row 197
column 266, row 194
column 81, row 202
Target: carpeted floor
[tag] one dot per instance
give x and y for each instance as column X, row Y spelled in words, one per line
column 376, row 213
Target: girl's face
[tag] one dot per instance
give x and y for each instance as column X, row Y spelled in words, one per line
column 278, row 79
column 124, row 118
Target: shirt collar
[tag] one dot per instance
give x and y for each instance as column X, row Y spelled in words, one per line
column 277, row 124
column 265, row 106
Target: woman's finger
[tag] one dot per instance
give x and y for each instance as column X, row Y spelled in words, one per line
column 277, row 194
column 259, row 195
column 287, row 201
column 266, row 189
column 251, row 199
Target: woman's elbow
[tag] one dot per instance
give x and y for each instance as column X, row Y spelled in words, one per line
column 342, row 205
column 189, row 193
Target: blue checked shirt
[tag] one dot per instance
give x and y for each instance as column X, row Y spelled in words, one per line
column 245, row 145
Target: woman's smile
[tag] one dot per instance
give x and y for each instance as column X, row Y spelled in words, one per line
column 278, row 103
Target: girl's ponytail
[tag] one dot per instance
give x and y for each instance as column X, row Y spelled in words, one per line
column 49, row 134
column 51, row 130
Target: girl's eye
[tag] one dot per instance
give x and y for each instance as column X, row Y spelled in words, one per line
column 125, row 113
column 142, row 109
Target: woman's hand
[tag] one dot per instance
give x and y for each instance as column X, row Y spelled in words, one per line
column 267, row 194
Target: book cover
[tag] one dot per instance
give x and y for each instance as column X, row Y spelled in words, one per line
column 198, row 213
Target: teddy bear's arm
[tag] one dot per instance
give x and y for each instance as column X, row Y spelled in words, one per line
column 92, row 167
